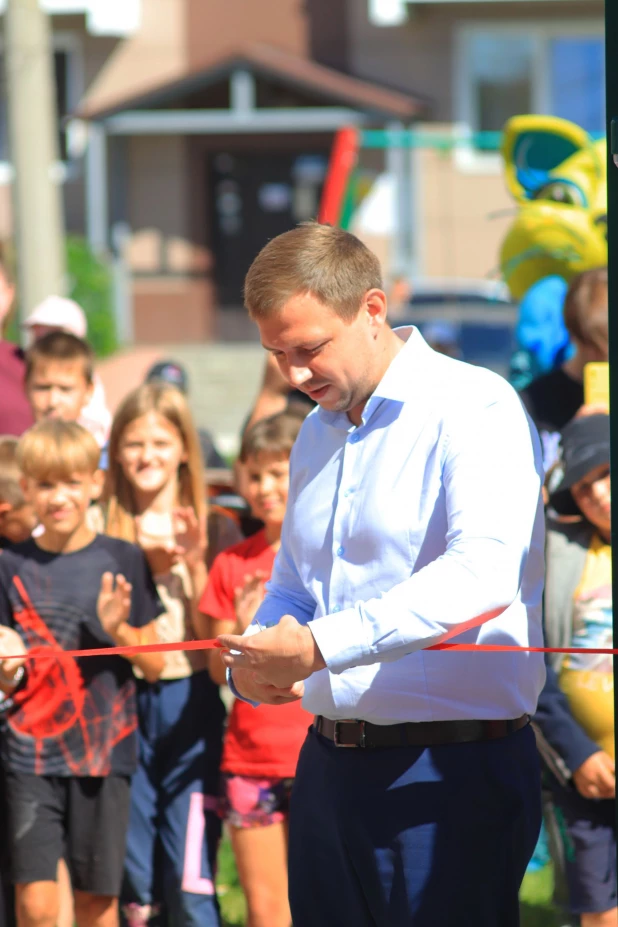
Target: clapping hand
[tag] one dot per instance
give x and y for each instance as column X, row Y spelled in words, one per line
column 11, row 644
column 249, row 597
column 190, row 535
column 114, row 602
column 161, row 554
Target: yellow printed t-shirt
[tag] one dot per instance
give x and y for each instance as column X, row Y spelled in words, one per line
column 587, row 679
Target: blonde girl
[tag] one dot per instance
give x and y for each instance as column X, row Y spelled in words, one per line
column 155, row 494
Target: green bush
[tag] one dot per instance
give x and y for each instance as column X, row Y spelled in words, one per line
column 90, row 285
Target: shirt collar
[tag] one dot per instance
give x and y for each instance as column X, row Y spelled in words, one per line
column 395, row 385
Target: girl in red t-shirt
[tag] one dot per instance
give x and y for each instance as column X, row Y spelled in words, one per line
column 262, row 744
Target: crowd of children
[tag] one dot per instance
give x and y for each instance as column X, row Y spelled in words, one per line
column 117, row 772
column 114, row 790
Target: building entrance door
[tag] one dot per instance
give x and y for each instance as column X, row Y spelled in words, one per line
column 255, row 197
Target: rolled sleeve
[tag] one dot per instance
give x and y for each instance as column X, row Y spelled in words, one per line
column 492, row 475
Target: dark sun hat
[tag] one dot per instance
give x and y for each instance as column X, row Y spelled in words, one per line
column 584, row 447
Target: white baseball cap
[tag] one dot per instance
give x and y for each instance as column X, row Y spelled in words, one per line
column 58, row 312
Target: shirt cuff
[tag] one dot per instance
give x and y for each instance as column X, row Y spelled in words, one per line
column 234, row 690
column 341, row 639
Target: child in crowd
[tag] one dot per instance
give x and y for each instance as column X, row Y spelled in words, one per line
column 57, row 314
column 553, row 398
column 59, row 372
column 69, row 747
column 155, row 495
column 17, row 518
column 261, row 744
column 59, row 379
column 576, row 708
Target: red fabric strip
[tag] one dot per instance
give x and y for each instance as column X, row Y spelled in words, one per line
column 214, row 644
column 120, row 651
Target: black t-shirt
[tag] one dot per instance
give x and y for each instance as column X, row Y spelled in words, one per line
column 552, row 400
column 73, row 717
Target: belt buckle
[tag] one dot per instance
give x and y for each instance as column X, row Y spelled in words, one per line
column 336, row 730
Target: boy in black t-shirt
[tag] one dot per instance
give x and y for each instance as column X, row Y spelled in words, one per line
column 69, row 745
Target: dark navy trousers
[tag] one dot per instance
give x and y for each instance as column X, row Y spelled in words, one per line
column 174, row 828
column 428, row 837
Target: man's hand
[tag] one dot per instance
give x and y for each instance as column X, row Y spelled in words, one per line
column 248, row 687
column 596, row 777
column 114, row 603
column 11, row 644
column 279, row 656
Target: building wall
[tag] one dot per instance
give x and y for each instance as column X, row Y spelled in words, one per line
column 172, row 289
column 154, row 55
column 459, row 215
column 419, row 56
column 461, row 218
column 216, row 27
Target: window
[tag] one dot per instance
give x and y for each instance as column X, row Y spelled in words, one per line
column 501, row 78
column 505, row 71
column 577, row 80
column 68, row 91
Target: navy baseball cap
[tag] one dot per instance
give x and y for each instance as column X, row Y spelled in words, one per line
column 169, row 371
column 584, row 447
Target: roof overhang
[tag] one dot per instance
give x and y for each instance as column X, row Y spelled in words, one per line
column 336, row 89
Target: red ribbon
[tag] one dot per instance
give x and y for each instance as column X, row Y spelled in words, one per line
column 214, row 644
column 119, row 651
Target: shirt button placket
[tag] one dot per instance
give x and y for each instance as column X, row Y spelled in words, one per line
column 341, row 518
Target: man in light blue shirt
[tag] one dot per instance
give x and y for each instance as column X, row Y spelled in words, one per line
column 414, row 517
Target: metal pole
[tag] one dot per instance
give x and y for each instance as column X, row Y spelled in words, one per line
column 96, row 189
column 33, row 136
column 611, row 72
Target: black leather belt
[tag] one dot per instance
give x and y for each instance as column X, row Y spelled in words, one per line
column 354, row 733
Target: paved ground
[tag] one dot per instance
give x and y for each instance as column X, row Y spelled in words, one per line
column 223, row 381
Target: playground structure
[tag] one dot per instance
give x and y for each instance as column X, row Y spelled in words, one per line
column 432, row 200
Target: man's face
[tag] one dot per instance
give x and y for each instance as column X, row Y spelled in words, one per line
column 58, row 389
column 335, row 362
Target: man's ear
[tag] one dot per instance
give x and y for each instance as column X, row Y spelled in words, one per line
column 533, row 146
column 5, row 508
column 375, row 306
column 98, row 480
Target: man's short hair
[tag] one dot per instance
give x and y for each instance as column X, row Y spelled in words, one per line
column 332, row 265
column 273, row 435
column 10, row 488
column 60, row 346
column 586, row 309
column 56, row 450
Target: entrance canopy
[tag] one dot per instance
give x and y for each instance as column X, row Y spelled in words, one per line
column 257, row 90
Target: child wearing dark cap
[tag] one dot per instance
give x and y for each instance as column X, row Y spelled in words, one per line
column 576, row 709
